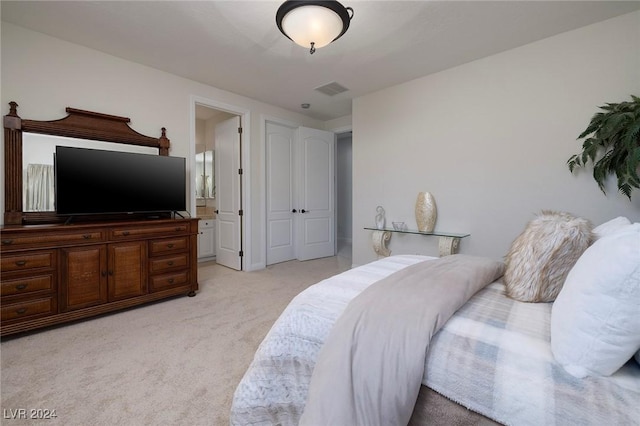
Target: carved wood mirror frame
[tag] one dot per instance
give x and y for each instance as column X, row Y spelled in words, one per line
column 77, row 124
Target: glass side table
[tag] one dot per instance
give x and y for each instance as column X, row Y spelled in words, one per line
column 449, row 242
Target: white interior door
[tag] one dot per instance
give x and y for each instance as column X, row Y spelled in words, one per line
column 229, row 221
column 279, row 149
column 315, row 227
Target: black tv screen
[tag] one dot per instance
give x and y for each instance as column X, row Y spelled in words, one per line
column 92, row 181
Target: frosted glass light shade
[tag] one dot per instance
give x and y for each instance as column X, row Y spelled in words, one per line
column 312, row 24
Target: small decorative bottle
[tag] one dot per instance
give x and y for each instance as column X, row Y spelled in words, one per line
column 380, row 219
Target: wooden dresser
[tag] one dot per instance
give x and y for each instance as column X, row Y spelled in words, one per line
column 56, row 273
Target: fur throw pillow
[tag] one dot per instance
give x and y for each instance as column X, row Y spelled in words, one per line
column 541, row 257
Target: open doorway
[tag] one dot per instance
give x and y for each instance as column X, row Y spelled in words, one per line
column 218, row 181
column 344, row 198
column 205, row 183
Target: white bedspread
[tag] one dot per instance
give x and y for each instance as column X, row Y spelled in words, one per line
column 274, row 388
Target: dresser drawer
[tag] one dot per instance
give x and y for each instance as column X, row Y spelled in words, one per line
column 151, row 231
column 168, row 245
column 43, row 239
column 27, row 285
column 41, row 307
column 27, row 261
column 166, row 281
column 169, row 263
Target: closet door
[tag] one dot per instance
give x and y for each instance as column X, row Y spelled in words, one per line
column 279, row 150
column 315, row 230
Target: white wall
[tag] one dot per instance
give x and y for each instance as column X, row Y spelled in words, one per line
column 44, row 75
column 338, row 125
column 490, row 140
column 201, row 139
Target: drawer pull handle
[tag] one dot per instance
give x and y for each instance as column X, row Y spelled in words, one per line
column 111, row 272
column 21, row 286
column 180, row 228
column 21, row 262
column 6, row 242
column 21, row 311
column 170, row 263
column 87, row 236
column 169, row 245
column 103, row 273
column 125, row 233
column 170, row 280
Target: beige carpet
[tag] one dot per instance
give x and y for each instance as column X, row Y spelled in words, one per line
column 175, row 362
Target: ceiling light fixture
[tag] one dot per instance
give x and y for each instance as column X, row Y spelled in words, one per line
column 313, row 24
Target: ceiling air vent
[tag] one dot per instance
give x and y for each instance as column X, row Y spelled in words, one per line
column 331, row 89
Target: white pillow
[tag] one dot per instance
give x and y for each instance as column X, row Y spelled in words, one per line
column 611, row 227
column 595, row 320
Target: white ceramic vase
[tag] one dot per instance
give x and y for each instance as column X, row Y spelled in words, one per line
column 426, row 213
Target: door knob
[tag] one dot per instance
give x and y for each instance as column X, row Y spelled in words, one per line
column 216, row 211
column 294, row 211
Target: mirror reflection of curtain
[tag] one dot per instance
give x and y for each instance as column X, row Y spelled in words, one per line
column 210, row 188
column 205, row 181
column 200, row 175
column 40, row 190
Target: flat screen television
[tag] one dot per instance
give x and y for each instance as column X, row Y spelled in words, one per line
column 92, row 181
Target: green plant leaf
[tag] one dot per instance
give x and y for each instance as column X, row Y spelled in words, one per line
column 625, row 189
column 612, row 145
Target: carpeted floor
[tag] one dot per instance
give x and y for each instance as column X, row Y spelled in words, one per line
column 175, row 362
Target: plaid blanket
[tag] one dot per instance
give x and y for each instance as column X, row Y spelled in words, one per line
column 494, row 357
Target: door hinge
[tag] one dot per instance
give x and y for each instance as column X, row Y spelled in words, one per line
column 240, row 212
column 240, row 130
column 240, row 171
column 241, row 253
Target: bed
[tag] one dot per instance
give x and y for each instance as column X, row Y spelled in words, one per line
column 491, row 362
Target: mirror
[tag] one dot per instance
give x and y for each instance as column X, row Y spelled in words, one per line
column 205, row 180
column 78, row 126
column 37, row 165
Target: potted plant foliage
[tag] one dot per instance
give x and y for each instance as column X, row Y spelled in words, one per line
column 612, row 144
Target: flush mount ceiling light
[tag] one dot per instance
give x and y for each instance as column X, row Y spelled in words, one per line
column 313, row 24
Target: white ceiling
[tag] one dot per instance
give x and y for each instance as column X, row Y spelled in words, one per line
column 236, row 46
